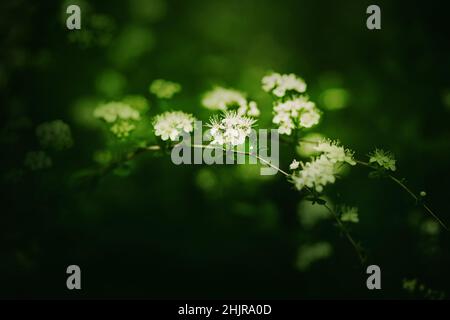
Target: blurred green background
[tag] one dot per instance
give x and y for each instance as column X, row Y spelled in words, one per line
column 156, row 230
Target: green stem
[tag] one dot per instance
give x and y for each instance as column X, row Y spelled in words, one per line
column 402, row 185
column 243, row 153
column 347, row 234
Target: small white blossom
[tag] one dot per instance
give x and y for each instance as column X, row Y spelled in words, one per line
column 294, row 165
column 315, row 174
column 164, row 89
column 383, row 159
column 335, row 152
column 224, row 99
column 295, row 113
column 322, row 169
column 114, row 111
column 280, row 84
column 231, row 129
column 171, row 125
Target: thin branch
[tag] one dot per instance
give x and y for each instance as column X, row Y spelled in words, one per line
column 344, row 229
column 138, row 151
column 244, row 153
column 402, row 185
column 418, row 200
column 410, row 192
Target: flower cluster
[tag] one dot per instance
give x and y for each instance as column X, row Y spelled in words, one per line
column 321, row 170
column 37, row 160
column 314, row 174
column 122, row 129
column 383, row 159
column 113, row 111
column 164, row 89
column 224, row 99
column 172, row 124
column 120, row 116
column 295, row 113
column 55, row 135
column 231, row 129
column 335, row 152
column 280, row 84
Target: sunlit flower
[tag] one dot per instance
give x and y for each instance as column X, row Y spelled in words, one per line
column 171, row 125
column 295, row 113
column 224, row 99
column 280, row 84
column 314, row 174
column 164, row 89
column 383, row 159
column 54, row 134
column 294, row 165
column 113, row 111
column 230, row 129
column 335, row 152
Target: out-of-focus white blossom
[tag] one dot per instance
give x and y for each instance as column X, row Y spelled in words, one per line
column 224, row 99
column 137, row 102
column 122, row 129
column 280, row 84
column 383, row 159
column 37, row 160
column 54, row 134
column 335, row 152
column 230, row 129
column 296, row 113
column 308, row 254
column 315, row 174
column 294, row 165
column 164, row 89
column 172, row 124
column 113, row 111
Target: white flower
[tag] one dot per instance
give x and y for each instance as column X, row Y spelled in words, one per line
column 336, row 153
column 231, row 129
column 171, row 125
column 322, row 169
column 113, row 111
column 315, row 174
column 280, row 84
column 383, row 159
column 295, row 113
column 224, row 99
column 294, row 165
column 164, row 89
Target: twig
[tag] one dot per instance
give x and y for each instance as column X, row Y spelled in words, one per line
column 344, row 229
column 402, row 185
